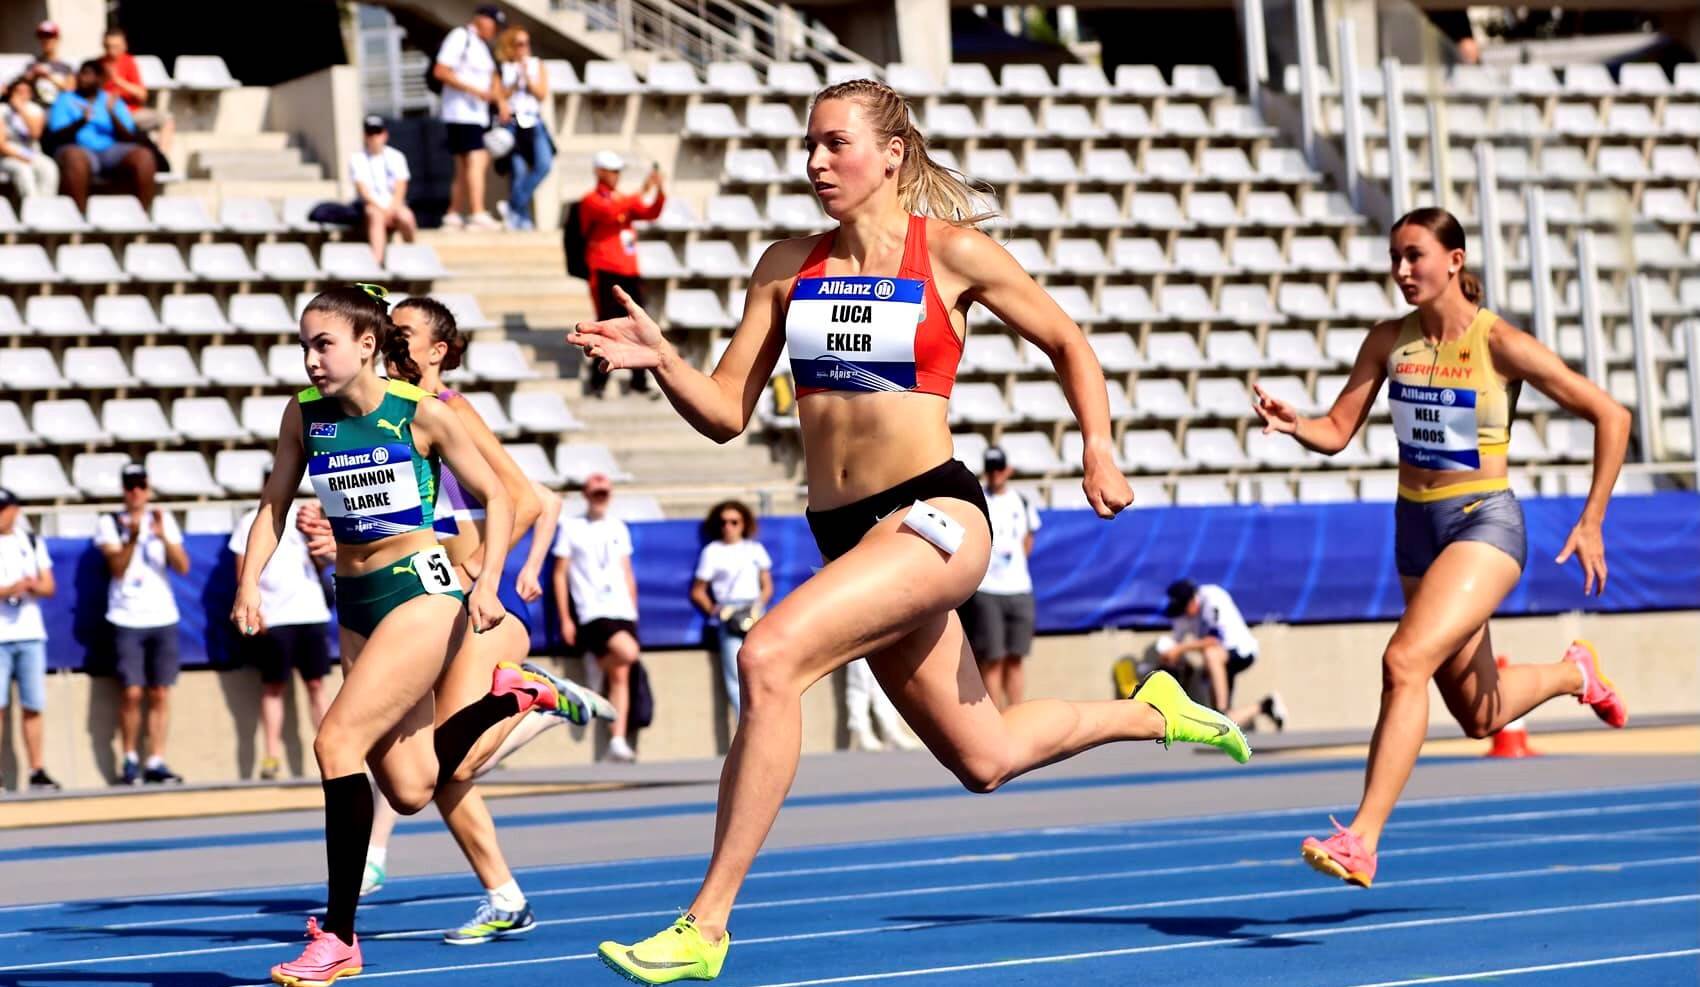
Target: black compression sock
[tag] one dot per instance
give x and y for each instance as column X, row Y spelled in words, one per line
column 460, row 731
column 348, row 831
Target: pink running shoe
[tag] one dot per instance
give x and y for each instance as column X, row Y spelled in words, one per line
column 530, row 689
column 1597, row 690
column 1341, row 855
column 325, row 959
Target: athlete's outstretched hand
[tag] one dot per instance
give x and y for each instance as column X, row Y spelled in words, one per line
column 483, row 607
column 1278, row 416
column 1589, row 547
column 1106, row 488
column 631, row 342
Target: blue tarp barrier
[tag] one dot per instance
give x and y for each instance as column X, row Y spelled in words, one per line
column 1303, row 563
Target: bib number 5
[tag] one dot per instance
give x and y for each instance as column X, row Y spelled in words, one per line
column 435, row 572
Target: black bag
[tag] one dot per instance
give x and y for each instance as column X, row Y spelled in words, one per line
column 337, row 214
column 434, row 84
column 642, row 711
column 574, row 245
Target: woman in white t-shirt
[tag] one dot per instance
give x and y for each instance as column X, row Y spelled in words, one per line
column 525, row 82
column 733, row 585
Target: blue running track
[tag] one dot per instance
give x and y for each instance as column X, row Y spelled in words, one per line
column 1587, row 887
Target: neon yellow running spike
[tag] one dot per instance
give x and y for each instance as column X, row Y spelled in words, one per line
column 675, row 953
column 1187, row 721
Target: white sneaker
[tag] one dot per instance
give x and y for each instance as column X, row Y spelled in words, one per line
column 620, row 750
column 482, row 221
column 452, row 221
column 864, row 740
column 1276, row 710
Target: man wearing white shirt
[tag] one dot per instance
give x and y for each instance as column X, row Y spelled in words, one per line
column 596, row 596
column 999, row 616
column 466, row 67
column 293, row 619
column 380, row 176
column 1206, row 622
column 140, row 545
column 26, row 575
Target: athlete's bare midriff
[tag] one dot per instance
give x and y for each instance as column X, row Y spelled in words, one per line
column 1418, row 478
column 358, row 560
column 856, row 445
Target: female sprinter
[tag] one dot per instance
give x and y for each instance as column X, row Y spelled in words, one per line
column 873, row 313
column 435, row 345
column 1455, row 370
column 371, row 448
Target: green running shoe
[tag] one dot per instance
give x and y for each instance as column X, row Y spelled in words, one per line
column 1187, row 721
column 675, row 953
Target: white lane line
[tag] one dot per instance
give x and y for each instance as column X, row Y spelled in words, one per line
column 1517, row 971
column 1206, row 943
column 1135, row 906
column 914, row 892
column 946, row 861
column 1101, row 828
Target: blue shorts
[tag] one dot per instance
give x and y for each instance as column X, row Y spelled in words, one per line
column 1422, row 529
column 25, row 661
column 517, row 608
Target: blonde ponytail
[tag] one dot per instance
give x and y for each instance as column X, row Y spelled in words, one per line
column 924, row 187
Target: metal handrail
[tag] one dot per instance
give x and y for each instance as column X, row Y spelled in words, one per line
column 709, row 30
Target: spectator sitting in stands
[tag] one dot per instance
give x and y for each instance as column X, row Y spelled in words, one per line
column 26, row 575
column 293, row 632
column 32, row 171
column 49, row 75
column 380, row 176
column 124, row 80
column 139, row 545
column 94, row 136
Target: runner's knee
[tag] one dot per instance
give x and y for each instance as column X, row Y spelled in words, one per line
column 765, row 667
column 1403, row 667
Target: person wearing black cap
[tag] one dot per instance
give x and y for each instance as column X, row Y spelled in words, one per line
column 1206, row 622
column 26, row 575
column 140, row 545
column 999, row 616
column 380, row 176
column 466, row 68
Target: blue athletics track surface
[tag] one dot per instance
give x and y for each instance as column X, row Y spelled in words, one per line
column 1126, row 866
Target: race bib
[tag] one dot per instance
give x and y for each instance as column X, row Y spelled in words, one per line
column 368, row 493
column 436, row 574
column 854, row 333
column 1436, row 426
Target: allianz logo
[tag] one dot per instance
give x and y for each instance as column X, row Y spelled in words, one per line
column 882, row 289
column 345, row 460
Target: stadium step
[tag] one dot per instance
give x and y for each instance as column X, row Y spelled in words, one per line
column 747, row 462
column 212, row 191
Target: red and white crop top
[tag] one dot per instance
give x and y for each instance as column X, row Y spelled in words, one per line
column 861, row 333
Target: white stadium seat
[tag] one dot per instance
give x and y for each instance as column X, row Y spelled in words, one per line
column 206, row 420
column 181, row 474
column 67, row 422
column 166, row 366
column 99, row 474
column 36, row 477
column 136, row 420
column 576, row 461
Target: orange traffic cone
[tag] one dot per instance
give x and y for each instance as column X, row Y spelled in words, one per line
column 1512, row 740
